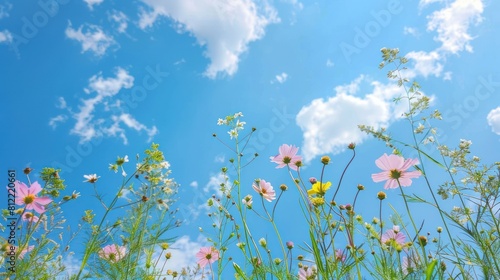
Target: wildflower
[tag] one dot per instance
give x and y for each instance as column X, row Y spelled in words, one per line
column 317, row 201
column 313, row 180
column 165, row 164
column 289, row 245
column 27, row 170
column 160, row 204
column 30, row 217
column 113, row 252
column 91, row 178
column 307, row 273
column 410, row 264
column 233, row 133
column 207, row 255
column 381, row 195
column 263, row 242
column 319, row 188
column 393, row 235
column 394, row 171
column 26, row 250
column 339, row 255
column 120, row 161
column 28, row 196
column 265, row 190
column 325, row 160
column 287, row 157
column 247, row 201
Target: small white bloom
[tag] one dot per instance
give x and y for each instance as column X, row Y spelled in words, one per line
column 91, row 178
column 233, row 133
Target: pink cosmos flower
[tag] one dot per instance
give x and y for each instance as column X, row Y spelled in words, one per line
column 30, row 217
column 394, row 170
column 339, row 255
column 207, row 255
column 393, row 235
column 265, row 189
column 113, row 252
column 25, row 250
column 287, row 156
column 27, row 195
column 307, row 273
column 410, row 264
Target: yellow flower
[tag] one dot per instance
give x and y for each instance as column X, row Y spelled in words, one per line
column 319, row 188
column 317, row 201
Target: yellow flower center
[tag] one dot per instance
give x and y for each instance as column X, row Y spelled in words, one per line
column 395, row 174
column 208, row 256
column 29, row 198
column 287, row 160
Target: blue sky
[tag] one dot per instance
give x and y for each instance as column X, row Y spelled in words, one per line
column 84, row 81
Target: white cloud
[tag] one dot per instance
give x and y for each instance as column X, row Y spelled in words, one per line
column 120, row 19
column 224, row 27
column 220, row 159
column 325, row 127
column 53, row 122
column 493, row 119
column 410, row 31
column 95, row 117
column 425, row 64
column 129, row 121
column 193, row 184
column 281, row 78
column 91, row 3
column 452, row 24
column 183, row 252
column 91, row 37
column 61, row 103
column 329, row 63
column 5, row 36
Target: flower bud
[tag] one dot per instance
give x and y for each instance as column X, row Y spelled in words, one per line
column 325, row 160
column 381, row 195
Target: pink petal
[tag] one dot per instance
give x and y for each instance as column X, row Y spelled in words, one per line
column 409, row 163
column 21, row 189
column 43, row 200
column 391, row 184
column 412, row 174
column 379, row 177
column 38, row 208
column 35, row 188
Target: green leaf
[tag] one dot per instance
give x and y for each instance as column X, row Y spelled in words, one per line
column 239, row 271
column 430, row 270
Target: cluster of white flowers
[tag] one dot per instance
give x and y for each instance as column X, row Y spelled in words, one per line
column 234, row 122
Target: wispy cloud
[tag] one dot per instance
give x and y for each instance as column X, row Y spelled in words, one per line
column 120, row 19
column 324, row 126
column 224, row 27
column 92, row 38
column 53, row 122
column 98, row 115
column 281, row 78
column 92, row 3
column 5, row 37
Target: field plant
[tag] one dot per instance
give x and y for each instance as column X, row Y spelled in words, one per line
column 129, row 237
column 131, row 245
